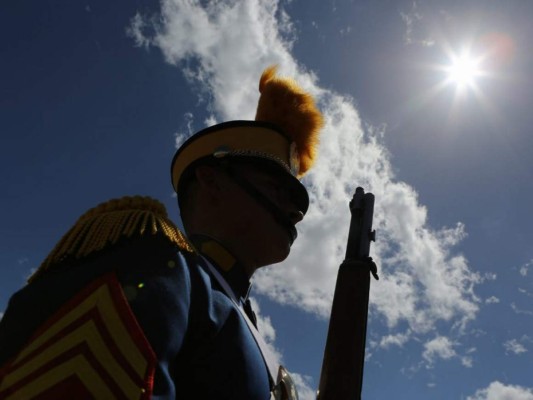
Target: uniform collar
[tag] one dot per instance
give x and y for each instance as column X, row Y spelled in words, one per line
column 225, row 262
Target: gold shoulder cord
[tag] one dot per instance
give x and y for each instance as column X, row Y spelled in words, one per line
column 105, row 224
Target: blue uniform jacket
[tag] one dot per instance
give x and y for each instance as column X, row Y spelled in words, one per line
column 203, row 348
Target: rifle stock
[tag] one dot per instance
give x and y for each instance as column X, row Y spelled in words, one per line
column 341, row 377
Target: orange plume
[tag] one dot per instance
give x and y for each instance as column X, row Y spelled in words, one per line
column 287, row 105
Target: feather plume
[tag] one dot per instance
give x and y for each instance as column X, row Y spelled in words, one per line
column 287, row 105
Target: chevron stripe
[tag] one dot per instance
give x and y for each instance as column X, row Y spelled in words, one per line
column 94, row 342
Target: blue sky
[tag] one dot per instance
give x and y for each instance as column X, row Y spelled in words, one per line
column 95, row 98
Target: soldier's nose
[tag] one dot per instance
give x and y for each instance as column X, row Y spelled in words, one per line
column 296, row 216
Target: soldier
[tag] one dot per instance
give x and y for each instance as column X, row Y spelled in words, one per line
column 126, row 306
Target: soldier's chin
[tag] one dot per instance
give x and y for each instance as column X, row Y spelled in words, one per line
column 284, row 249
column 293, row 234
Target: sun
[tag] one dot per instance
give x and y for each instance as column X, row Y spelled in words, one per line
column 463, row 70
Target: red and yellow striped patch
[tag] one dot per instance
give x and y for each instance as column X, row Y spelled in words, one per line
column 92, row 348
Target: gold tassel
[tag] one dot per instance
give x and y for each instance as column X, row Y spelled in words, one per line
column 105, row 224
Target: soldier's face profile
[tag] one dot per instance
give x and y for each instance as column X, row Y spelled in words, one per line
column 270, row 239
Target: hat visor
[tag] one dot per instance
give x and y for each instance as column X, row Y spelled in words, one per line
column 297, row 191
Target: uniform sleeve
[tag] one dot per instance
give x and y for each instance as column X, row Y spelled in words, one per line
column 204, row 347
column 159, row 294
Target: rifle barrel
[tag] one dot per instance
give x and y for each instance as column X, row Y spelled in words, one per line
column 344, row 355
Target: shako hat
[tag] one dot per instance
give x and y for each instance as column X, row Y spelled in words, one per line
column 283, row 137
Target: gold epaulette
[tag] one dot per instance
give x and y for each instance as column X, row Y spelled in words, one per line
column 106, row 223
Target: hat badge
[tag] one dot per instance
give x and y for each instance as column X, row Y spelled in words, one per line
column 221, row 151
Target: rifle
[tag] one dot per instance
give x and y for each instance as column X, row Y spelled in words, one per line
column 344, row 356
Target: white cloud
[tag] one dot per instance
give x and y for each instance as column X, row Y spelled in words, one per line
column 520, row 311
column 443, row 348
column 136, row 31
column 492, row 300
column 422, row 280
column 439, row 347
column 524, row 269
column 221, row 60
column 498, row 391
column 398, row 339
column 304, row 386
column 467, row 362
column 489, row 276
column 186, row 130
column 513, row 346
column 264, row 326
column 413, row 27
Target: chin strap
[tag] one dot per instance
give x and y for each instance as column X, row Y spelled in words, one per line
column 272, row 208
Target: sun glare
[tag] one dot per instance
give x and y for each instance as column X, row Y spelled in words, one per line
column 463, row 70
